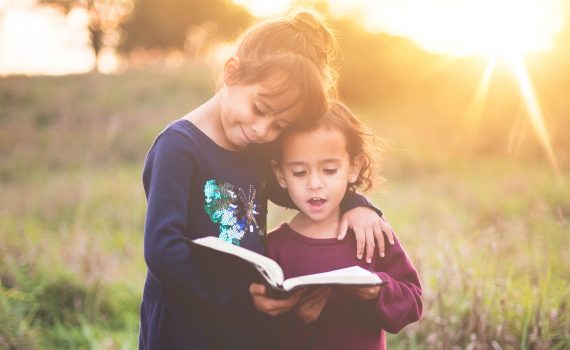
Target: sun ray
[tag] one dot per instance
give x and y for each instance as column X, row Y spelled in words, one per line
column 475, row 110
column 533, row 110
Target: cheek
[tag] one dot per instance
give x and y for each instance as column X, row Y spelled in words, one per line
column 275, row 134
column 297, row 194
column 236, row 112
column 295, row 187
column 339, row 182
column 272, row 136
column 242, row 115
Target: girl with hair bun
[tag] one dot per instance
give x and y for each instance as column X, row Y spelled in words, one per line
column 208, row 173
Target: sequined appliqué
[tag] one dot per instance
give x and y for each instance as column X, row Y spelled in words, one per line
column 234, row 212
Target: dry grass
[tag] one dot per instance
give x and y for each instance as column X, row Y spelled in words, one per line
column 487, row 229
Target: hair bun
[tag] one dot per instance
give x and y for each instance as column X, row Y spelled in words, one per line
column 312, row 26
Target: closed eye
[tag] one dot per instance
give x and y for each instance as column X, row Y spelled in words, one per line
column 279, row 127
column 299, row 173
column 257, row 111
column 330, row 171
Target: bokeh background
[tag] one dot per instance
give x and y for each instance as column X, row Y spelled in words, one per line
column 470, row 98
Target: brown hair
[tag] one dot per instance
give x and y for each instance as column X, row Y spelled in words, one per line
column 302, row 46
column 360, row 142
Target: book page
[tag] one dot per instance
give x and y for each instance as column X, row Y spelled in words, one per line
column 270, row 270
column 354, row 275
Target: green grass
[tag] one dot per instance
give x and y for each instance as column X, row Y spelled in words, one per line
column 488, row 231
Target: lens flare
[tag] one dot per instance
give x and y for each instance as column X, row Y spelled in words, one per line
column 476, row 108
column 533, row 110
column 463, row 27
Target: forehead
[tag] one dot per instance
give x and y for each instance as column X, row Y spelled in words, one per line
column 314, row 146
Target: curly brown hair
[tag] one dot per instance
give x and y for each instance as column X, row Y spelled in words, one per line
column 360, row 142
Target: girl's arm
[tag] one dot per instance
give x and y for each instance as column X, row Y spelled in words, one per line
column 398, row 302
column 169, row 169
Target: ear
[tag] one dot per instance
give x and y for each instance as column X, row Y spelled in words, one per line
column 278, row 174
column 230, row 68
column 355, row 167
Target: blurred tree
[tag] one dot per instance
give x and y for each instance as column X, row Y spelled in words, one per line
column 105, row 16
column 171, row 23
column 372, row 66
column 375, row 66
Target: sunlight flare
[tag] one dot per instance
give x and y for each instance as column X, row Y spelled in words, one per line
column 464, row 27
column 533, row 110
column 265, row 8
column 476, row 108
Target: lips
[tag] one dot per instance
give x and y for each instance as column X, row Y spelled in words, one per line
column 247, row 138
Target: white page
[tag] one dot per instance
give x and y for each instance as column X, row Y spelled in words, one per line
column 351, row 275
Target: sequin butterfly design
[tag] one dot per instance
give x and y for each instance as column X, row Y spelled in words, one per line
column 234, row 212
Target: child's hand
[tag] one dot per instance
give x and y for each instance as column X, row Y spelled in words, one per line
column 311, row 304
column 272, row 307
column 364, row 293
column 368, row 228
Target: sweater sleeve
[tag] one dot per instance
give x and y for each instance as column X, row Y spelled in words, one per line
column 169, row 169
column 399, row 301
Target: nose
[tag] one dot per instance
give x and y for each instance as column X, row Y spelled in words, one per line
column 261, row 128
column 315, row 181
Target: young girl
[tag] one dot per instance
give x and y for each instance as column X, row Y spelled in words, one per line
column 205, row 175
column 318, row 167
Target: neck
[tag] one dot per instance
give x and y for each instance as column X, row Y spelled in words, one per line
column 320, row 229
column 207, row 118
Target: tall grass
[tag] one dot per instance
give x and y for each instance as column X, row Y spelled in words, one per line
column 493, row 257
column 489, row 233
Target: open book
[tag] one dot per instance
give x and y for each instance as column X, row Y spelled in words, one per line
column 273, row 274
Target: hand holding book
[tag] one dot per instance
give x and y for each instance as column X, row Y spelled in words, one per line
column 270, row 305
column 364, row 293
column 312, row 303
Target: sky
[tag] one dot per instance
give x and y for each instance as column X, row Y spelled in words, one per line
column 36, row 41
column 42, row 41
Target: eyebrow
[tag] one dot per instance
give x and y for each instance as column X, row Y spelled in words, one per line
column 328, row 160
column 293, row 163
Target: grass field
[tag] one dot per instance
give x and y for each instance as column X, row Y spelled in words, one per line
column 487, row 230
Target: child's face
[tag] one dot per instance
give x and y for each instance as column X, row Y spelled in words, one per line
column 316, row 169
column 250, row 115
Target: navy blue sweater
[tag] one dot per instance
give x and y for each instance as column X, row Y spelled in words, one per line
column 194, row 299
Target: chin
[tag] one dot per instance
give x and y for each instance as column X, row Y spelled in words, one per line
column 238, row 143
column 318, row 217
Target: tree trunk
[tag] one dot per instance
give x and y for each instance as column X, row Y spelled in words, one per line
column 96, row 35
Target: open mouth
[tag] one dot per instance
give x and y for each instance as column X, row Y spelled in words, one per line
column 317, row 202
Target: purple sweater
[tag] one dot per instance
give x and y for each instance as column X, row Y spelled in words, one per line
column 346, row 322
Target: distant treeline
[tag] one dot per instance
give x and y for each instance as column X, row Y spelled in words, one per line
column 375, row 69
